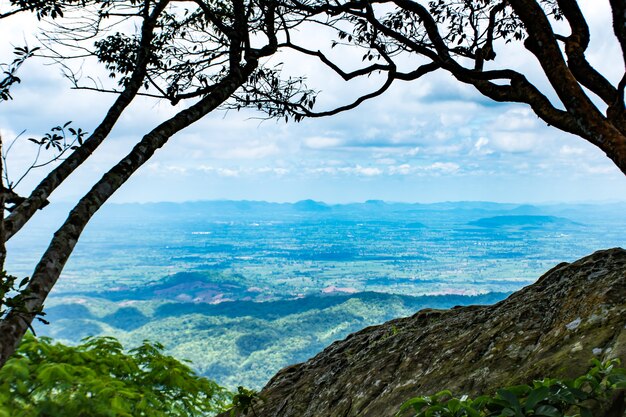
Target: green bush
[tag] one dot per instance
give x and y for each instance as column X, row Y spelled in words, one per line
column 97, row 378
column 548, row 397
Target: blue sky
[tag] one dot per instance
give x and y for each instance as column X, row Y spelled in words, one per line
column 431, row 140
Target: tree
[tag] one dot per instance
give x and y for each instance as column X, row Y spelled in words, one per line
column 462, row 38
column 213, row 54
column 210, row 53
column 98, row 378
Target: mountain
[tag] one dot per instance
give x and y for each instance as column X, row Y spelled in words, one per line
column 554, row 327
column 522, row 221
column 310, row 205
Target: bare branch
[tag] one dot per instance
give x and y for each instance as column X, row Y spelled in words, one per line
column 345, row 75
column 618, row 7
column 486, row 53
column 52, row 262
column 39, row 196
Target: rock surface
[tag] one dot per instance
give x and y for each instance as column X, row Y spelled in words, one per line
column 554, row 327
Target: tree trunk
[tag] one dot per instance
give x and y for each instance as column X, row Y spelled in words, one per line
column 47, row 272
column 39, row 196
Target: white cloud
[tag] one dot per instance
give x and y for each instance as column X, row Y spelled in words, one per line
column 406, row 132
column 270, row 170
column 514, row 143
column 601, row 169
column 161, row 169
column 322, row 170
column 227, row 172
column 454, row 119
column 357, row 170
column 443, row 167
column 516, row 119
column 321, row 142
column 404, row 169
column 453, row 149
column 367, row 171
column 413, row 151
column 205, row 168
column 571, row 150
column 481, row 142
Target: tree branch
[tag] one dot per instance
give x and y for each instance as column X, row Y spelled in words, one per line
column 347, row 76
column 575, row 47
column 214, row 19
column 39, row 196
column 487, row 53
column 542, row 43
column 52, row 262
column 618, row 8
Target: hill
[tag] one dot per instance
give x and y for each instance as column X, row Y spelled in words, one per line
column 525, row 221
column 237, row 342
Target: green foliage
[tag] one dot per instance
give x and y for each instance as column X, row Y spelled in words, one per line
column 548, row 397
column 13, row 296
column 61, row 138
column 42, row 8
column 244, row 401
column 9, row 71
column 97, row 378
column 235, row 343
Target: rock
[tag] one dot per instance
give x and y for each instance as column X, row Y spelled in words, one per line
column 551, row 328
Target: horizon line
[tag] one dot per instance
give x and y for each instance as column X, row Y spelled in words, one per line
column 368, row 201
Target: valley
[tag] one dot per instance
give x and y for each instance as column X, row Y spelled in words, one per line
column 243, row 289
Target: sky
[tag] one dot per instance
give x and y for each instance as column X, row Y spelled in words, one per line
column 425, row 141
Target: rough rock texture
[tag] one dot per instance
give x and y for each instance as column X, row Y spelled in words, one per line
column 553, row 327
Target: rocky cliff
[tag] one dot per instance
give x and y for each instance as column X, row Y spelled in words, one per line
column 554, row 327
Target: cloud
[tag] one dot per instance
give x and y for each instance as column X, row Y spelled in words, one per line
column 277, row 171
column 571, row 150
column 413, row 151
column 516, row 119
column 321, row 142
column 481, row 142
column 443, row 167
column 436, row 168
column 222, row 172
column 404, row 169
column 161, row 169
column 450, row 150
column 227, row 172
column 367, row 171
column 356, row 170
column 601, row 169
column 435, row 127
column 514, row 143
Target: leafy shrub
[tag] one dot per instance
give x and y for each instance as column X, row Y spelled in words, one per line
column 244, row 401
column 97, row 378
column 548, row 397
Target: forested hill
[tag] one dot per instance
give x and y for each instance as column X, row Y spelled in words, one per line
column 573, row 313
column 238, row 342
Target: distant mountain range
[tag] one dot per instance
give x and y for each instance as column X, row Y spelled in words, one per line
column 227, row 209
column 523, row 221
column 245, row 287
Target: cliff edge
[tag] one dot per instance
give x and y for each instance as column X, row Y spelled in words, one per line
column 552, row 328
